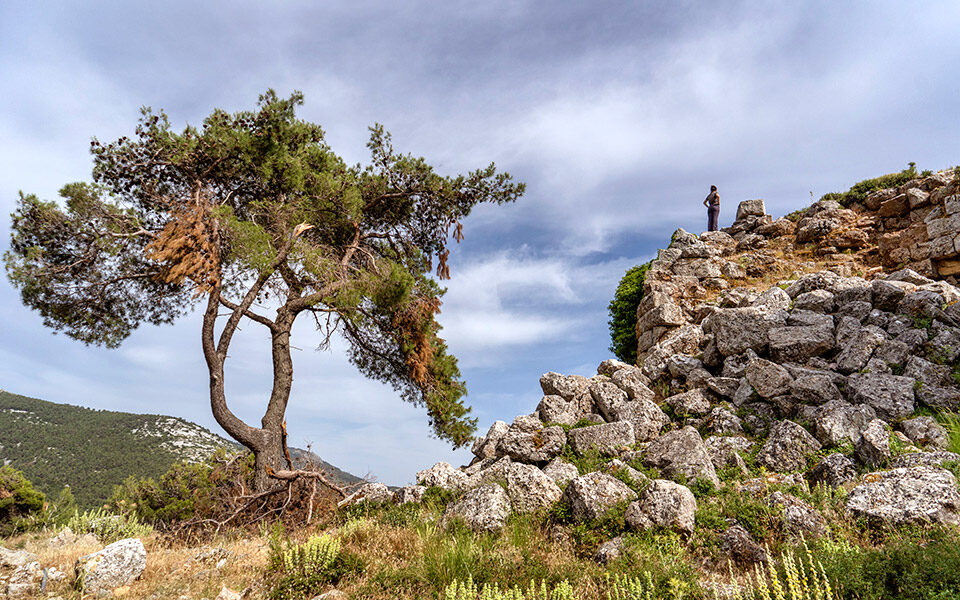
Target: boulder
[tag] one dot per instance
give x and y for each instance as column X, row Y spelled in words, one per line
column 837, row 422
column 814, row 388
column 873, row 447
column 560, row 472
column 483, row 508
column 723, row 422
column 607, row 438
column 857, row 351
column 737, row 330
column 933, row 459
column 926, row 372
column 799, row 344
column 608, row 398
column 119, row 564
column 634, row 383
column 890, row 395
column 694, row 402
column 750, row 208
column 442, row 475
column 767, row 378
column 943, row 398
column 908, row 495
column 569, row 387
column 486, row 447
column 725, row 452
column 819, row 301
column 368, row 492
column 555, row 410
column 646, row 417
column 925, row 431
column 611, row 366
column 532, row 444
column 409, row 493
column 737, row 543
column 528, row 487
column 787, row 447
column 663, row 504
column 799, row 518
column 833, row 471
column 681, row 453
column 590, row 496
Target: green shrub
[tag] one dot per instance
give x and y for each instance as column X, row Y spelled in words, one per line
column 20, row 504
column 858, row 192
column 623, row 314
column 187, row 490
column 108, row 527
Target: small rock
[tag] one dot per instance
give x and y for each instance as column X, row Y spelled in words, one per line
column 737, row 543
column 609, row 551
column 228, row 594
column 925, row 431
column 873, row 447
column 833, row 471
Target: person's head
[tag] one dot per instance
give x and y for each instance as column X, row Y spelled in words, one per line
column 713, row 188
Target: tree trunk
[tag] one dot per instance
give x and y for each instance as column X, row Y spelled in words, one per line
column 267, row 441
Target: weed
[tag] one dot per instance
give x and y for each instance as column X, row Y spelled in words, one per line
column 107, row 526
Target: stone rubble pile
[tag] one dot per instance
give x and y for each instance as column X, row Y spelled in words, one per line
column 818, row 378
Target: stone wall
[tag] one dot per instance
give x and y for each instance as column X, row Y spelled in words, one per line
column 919, row 225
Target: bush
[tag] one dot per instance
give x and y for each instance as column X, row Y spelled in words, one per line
column 20, row 504
column 858, row 193
column 107, row 526
column 303, row 568
column 623, row 314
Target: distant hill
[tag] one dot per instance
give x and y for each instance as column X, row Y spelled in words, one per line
column 91, row 450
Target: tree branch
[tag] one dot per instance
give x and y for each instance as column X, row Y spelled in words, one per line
column 249, row 314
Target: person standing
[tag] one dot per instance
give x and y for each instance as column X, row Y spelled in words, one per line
column 712, row 202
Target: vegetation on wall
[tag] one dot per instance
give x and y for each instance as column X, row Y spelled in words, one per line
column 858, row 192
column 623, row 314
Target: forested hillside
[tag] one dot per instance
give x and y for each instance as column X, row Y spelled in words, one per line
column 90, row 450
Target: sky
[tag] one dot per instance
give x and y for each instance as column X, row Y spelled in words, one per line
column 618, row 116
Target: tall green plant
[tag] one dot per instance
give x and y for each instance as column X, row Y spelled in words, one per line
column 19, row 501
column 623, row 313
